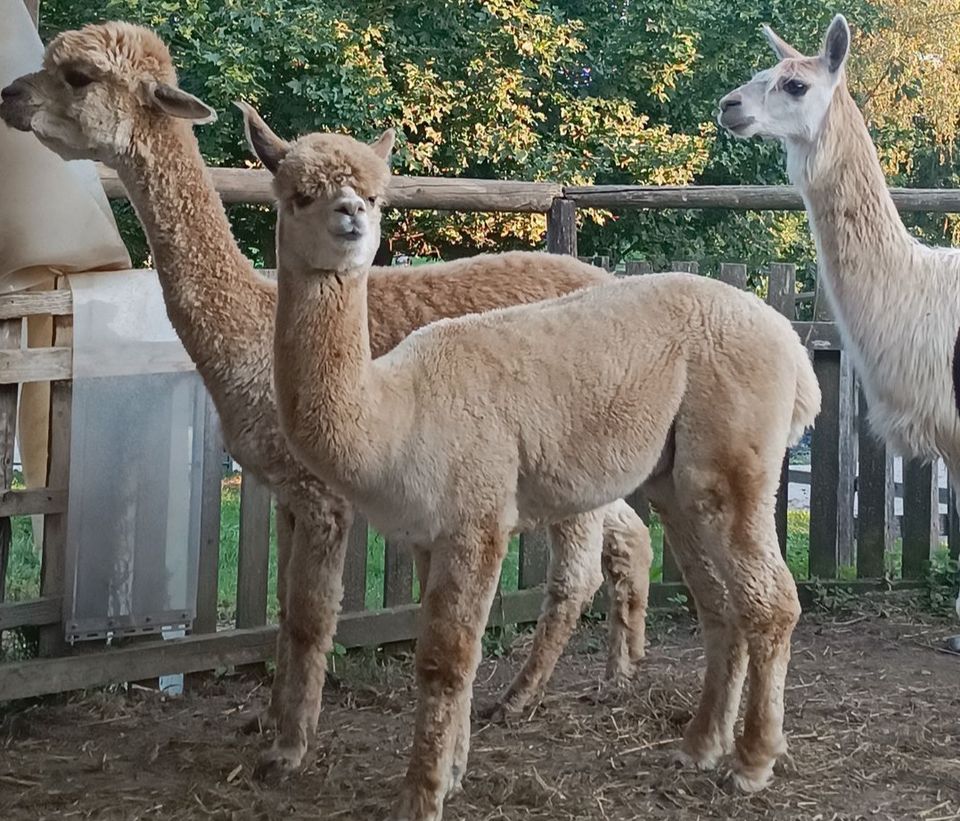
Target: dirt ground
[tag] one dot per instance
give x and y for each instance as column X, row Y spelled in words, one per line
column 873, row 720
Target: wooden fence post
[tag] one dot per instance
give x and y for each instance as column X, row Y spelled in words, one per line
column 921, row 499
column 10, row 330
column 873, row 533
column 210, row 490
column 253, row 560
column 355, row 567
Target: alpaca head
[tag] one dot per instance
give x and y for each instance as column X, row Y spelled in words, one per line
column 790, row 101
column 100, row 91
column 329, row 190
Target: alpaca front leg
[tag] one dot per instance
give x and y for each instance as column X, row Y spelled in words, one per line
column 270, row 718
column 454, row 611
column 314, row 591
column 627, row 557
column 573, row 577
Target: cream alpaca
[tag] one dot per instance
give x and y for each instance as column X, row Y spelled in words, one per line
column 474, row 428
column 897, row 301
column 109, row 93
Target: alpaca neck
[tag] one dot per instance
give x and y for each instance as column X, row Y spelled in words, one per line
column 854, row 221
column 213, row 297
column 327, row 388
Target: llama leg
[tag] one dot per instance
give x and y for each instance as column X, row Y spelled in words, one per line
column 455, row 606
column 573, row 577
column 627, row 557
column 314, row 590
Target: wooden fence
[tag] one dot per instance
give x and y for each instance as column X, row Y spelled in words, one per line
column 836, row 538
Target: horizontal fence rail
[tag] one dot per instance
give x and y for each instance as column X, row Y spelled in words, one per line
column 838, row 538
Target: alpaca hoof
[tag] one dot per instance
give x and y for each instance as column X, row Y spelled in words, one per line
column 684, row 760
column 456, row 780
column 952, row 644
column 497, row 712
column 751, row 779
column 417, row 808
column 277, row 763
column 619, row 676
column 259, row 724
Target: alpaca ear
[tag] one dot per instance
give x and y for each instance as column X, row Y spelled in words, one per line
column 383, row 145
column 836, row 45
column 268, row 147
column 177, row 103
column 780, row 47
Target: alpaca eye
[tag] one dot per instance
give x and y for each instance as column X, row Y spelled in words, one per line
column 795, row 88
column 372, row 201
column 303, row 201
column 76, row 79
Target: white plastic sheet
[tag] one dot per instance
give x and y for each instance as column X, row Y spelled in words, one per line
column 136, row 461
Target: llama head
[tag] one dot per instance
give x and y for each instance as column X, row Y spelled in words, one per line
column 329, row 190
column 790, row 101
column 100, row 91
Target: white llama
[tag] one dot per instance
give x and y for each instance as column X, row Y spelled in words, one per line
column 474, row 428
column 896, row 300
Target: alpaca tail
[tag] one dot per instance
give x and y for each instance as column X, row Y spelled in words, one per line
column 806, row 403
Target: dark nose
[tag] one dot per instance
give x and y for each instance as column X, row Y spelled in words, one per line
column 11, row 92
column 351, row 207
column 730, row 101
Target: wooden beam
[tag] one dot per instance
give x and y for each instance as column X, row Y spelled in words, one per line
column 253, row 561
column 208, row 562
column 39, row 500
column 36, row 303
column 34, row 612
column 35, row 365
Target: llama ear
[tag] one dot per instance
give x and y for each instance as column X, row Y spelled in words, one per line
column 780, row 47
column 177, row 103
column 383, row 145
column 836, row 45
column 268, row 147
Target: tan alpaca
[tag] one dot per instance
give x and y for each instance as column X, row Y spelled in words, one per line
column 474, row 428
column 897, row 301
column 109, row 93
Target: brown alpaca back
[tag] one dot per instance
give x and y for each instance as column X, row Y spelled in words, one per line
column 402, row 299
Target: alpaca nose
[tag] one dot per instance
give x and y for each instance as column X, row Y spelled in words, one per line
column 351, row 207
column 730, row 101
column 11, row 92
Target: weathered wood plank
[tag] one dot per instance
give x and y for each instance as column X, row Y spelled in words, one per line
column 36, row 612
column 825, row 468
column 872, row 531
column 734, row 273
column 36, row 303
column 238, row 647
column 562, row 227
column 637, row 268
column 953, row 524
column 208, row 597
column 740, row 197
column 685, row 266
column 253, row 562
column 397, row 575
column 355, row 567
column 10, row 330
column 847, row 456
column 35, row 365
column 54, row 561
column 921, row 520
column 35, row 501
column 819, row 336
column 444, row 194
column 534, row 558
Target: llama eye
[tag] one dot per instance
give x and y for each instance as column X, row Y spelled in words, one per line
column 76, row 79
column 373, row 201
column 303, row 201
column 795, row 88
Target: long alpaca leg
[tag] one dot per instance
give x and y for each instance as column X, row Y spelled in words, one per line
column 462, row 583
column 573, row 577
column 627, row 557
column 314, row 589
column 709, row 734
column 271, row 717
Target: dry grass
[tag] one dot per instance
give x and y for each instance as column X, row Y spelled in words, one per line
column 873, row 717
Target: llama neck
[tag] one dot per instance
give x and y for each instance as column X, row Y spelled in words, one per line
column 859, row 235
column 213, row 297
column 327, row 390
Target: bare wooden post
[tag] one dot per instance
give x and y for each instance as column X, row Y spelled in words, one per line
column 637, row 267
column 53, row 568
column 873, row 535
column 920, row 510
column 355, row 567
column 953, row 523
column 534, row 557
column 782, row 297
column 562, row 227
column 397, row 575
column 847, row 458
column 210, row 490
column 253, row 561
column 690, row 267
column 734, row 273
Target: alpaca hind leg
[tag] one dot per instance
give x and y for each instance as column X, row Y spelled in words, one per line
column 269, row 718
column 314, row 591
column 573, row 577
column 462, row 583
column 627, row 557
